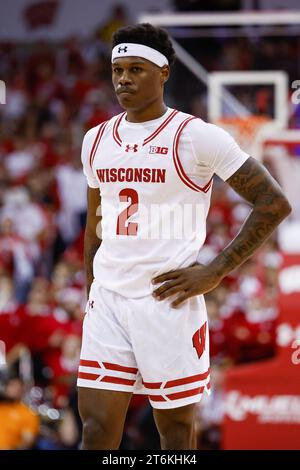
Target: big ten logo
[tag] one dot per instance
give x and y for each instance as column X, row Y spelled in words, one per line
column 2, row 354
column 295, row 97
column 159, row 150
column 296, row 353
column 2, row 92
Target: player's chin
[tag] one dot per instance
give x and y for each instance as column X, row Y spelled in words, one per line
column 126, row 99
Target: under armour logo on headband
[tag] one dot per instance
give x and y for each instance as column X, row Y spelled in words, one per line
column 139, row 50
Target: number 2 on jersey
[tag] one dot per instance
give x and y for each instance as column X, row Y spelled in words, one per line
column 127, row 195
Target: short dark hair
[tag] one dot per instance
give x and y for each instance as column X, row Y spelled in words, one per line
column 149, row 35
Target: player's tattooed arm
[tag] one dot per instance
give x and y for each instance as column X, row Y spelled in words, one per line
column 92, row 235
column 269, row 207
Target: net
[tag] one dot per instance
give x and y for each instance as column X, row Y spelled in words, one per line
column 246, row 130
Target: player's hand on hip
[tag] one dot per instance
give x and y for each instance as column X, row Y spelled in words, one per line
column 188, row 282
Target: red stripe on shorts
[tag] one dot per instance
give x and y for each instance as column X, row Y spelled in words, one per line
column 152, row 385
column 87, row 376
column 156, row 398
column 108, row 365
column 84, row 362
column 176, row 382
column 187, row 380
column 178, row 396
column 130, row 370
column 186, row 393
column 117, row 380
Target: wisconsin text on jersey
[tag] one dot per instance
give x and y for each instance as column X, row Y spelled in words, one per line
column 145, row 175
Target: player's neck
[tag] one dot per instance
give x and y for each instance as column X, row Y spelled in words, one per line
column 154, row 111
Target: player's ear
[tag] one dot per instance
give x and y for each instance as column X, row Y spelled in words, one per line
column 164, row 74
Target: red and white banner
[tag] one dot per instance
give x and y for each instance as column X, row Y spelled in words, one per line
column 262, row 409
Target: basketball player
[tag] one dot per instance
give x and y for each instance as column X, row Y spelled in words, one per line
column 145, row 329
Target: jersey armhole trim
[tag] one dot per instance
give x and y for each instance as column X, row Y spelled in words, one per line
column 180, row 171
column 97, row 141
column 116, row 135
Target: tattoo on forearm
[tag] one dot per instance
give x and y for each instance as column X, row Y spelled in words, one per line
column 270, row 207
column 254, row 232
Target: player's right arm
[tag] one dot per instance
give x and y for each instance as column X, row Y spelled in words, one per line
column 92, row 238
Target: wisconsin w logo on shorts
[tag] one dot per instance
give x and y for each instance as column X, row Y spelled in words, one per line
column 199, row 339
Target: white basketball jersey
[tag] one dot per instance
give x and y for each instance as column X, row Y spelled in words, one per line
column 155, row 185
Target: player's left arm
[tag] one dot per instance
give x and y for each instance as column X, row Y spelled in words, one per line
column 269, row 207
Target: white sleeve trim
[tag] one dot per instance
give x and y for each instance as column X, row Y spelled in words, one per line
column 234, row 166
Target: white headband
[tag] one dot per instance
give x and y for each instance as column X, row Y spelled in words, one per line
column 129, row 49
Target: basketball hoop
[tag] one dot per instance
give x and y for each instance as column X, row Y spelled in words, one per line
column 245, row 130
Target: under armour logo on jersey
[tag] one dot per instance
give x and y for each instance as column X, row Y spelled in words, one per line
column 122, row 49
column 199, row 340
column 159, row 150
column 131, row 148
column 91, row 303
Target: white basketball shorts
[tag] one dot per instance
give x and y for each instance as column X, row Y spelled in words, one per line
column 145, row 346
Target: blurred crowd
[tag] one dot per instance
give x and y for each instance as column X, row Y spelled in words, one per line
column 55, row 92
